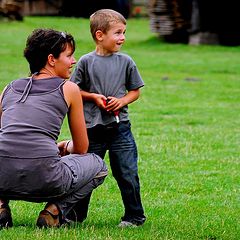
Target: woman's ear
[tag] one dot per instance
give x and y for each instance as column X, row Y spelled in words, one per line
column 99, row 35
column 51, row 60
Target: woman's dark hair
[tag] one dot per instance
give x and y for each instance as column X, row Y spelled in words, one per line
column 43, row 42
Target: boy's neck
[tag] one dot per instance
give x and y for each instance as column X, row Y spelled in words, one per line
column 102, row 52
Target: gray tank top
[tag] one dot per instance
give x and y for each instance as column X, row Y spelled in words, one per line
column 31, row 168
column 33, row 112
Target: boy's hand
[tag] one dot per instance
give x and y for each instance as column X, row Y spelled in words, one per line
column 114, row 104
column 100, row 100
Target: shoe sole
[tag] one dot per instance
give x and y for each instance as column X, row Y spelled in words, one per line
column 41, row 223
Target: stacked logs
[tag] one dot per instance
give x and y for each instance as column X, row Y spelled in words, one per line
column 170, row 19
column 196, row 21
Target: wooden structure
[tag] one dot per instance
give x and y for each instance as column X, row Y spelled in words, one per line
column 170, row 19
column 196, row 21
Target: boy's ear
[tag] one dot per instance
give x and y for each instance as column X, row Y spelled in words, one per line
column 99, row 35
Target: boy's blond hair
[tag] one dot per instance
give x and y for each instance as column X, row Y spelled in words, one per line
column 102, row 20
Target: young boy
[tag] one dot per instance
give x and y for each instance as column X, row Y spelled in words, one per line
column 109, row 81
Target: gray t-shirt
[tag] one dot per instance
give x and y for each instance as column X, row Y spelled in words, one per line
column 112, row 75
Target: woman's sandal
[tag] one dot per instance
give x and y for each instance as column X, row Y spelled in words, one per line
column 46, row 219
column 5, row 217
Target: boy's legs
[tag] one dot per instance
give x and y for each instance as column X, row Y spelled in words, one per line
column 98, row 141
column 123, row 160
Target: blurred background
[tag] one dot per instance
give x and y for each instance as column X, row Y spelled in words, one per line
column 176, row 21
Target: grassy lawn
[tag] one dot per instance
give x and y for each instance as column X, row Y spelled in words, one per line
column 187, row 128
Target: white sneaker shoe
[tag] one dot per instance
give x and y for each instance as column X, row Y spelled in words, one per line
column 126, row 224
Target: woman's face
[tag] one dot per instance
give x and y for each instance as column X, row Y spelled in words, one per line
column 64, row 63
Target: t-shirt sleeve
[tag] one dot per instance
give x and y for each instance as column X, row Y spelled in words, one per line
column 78, row 74
column 134, row 79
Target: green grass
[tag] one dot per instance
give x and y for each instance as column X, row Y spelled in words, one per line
column 186, row 125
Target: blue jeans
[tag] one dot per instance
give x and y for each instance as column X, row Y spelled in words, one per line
column 119, row 141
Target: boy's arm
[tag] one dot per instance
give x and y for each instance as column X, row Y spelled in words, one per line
column 98, row 99
column 115, row 104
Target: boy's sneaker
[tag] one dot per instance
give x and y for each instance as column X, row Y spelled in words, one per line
column 132, row 222
column 126, row 224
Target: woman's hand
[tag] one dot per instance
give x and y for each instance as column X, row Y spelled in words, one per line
column 63, row 147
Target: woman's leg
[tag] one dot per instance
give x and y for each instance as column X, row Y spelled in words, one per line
column 89, row 171
column 80, row 210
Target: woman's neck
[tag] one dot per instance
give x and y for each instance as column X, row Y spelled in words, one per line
column 45, row 73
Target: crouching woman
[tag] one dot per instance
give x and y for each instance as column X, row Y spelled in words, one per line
column 32, row 109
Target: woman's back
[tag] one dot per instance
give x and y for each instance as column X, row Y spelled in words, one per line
column 34, row 122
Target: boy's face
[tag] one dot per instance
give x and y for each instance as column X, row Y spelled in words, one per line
column 113, row 40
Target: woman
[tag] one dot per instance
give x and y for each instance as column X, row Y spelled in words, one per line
column 33, row 166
